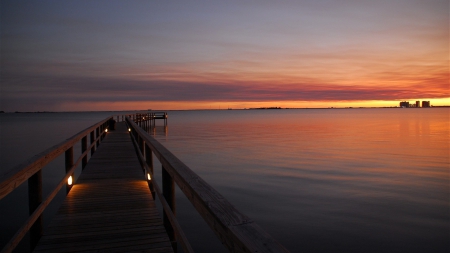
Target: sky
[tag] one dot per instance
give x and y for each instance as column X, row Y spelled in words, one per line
column 137, row 55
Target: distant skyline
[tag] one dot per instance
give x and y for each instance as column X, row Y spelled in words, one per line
column 134, row 55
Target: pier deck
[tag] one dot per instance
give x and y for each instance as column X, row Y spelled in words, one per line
column 110, row 208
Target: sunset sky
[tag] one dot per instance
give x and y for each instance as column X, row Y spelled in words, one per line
column 125, row 55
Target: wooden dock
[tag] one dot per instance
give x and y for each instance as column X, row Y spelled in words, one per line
column 110, row 208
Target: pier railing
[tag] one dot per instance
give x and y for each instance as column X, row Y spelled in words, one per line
column 31, row 171
column 234, row 229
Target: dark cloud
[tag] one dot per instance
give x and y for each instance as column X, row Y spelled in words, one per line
column 52, row 91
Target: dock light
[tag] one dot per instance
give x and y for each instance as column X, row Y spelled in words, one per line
column 148, row 177
column 70, row 181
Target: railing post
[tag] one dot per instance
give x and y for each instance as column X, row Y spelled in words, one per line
column 145, row 121
column 102, row 129
column 149, row 161
column 34, row 200
column 92, row 137
column 83, row 149
column 141, row 146
column 97, row 133
column 168, row 185
column 69, row 164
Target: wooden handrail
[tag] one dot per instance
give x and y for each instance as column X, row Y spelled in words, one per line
column 234, row 229
column 32, row 167
column 19, row 174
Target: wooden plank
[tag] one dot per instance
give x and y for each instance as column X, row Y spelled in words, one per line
column 110, row 207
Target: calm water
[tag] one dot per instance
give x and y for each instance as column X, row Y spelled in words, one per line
column 318, row 180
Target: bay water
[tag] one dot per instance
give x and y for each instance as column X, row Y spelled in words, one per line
column 317, row 180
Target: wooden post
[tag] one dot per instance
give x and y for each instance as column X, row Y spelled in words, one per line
column 149, row 161
column 168, row 185
column 69, row 164
column 143, row 147
column 83, row 149
column 102, row 129
column 145, row 121
column 92, row 137
column 34, row 200
column 97, row 133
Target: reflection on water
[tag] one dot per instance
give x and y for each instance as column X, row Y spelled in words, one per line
column 157, row 130
column 372, row 180
column 353, row 180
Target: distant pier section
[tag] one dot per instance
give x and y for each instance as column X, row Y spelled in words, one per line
column 147, row 119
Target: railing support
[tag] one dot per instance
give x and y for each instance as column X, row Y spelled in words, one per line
column 149, row 161
column 34, row 200
column 92, row 137
column 83, row 149
column 69, row 164
column 142, row 144
column 168, row 185
column 97, row 133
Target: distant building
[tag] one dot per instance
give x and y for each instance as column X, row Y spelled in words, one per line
column 404, row 104
column 426, row 104
column 417, row 104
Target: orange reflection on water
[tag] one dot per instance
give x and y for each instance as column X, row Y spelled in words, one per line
column 380, row 175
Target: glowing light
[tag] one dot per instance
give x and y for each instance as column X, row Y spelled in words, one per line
column 70, row 181
column 106, row 130
column 129, row 129
column 148, row 177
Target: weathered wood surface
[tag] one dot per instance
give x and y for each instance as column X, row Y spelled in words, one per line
column 110, row 208
column 234, row 229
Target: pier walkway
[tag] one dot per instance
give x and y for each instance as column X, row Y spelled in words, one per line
column 110, row 208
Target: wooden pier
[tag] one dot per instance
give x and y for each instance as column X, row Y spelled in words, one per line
column 111, row 208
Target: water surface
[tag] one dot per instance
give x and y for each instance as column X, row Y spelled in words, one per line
column 318, row 180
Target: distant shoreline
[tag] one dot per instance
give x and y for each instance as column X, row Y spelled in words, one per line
column 230, row 109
